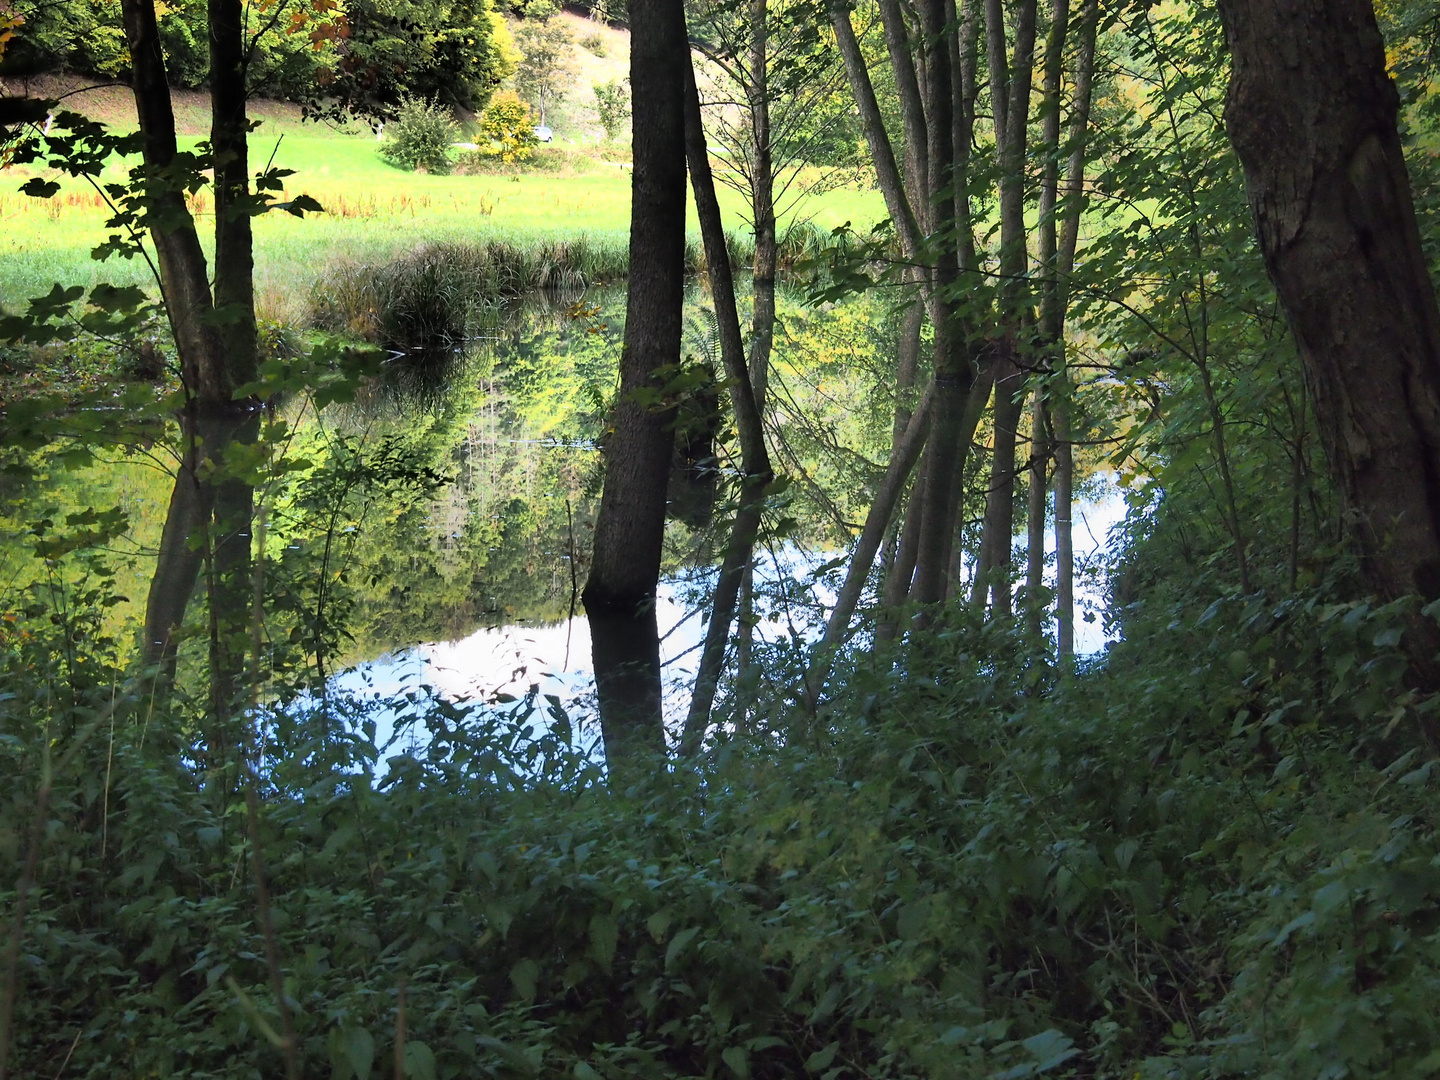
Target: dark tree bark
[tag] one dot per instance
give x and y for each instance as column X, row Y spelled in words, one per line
column 954, row 372
column 184, row 275
column 1053, row 325
column 998, row 534
column 234, row 235
column 903, row 456
column 1312, row 114
column 178, row 564
column 619, row 597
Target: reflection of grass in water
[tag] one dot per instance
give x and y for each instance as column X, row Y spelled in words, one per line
column 437, row 294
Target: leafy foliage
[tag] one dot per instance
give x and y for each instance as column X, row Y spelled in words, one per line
column 905, row 898
column 507, row 129
column 612, row 107
column 419, row 138
column 547, row 55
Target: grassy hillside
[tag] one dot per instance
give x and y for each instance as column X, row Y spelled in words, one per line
column 372, row 210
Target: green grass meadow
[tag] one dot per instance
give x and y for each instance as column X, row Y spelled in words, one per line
column 373, row 212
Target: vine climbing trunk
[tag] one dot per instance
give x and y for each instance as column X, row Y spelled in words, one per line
column 619, row 596
column 1312, row 115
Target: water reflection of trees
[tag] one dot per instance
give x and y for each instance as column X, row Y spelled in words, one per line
column 515, row 431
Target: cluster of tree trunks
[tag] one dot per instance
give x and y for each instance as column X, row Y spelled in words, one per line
column 1312, row 114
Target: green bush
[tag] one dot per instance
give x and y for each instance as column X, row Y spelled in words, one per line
column 612, row 107
column 420, row 136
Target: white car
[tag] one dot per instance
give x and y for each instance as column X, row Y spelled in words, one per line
column 544, row 134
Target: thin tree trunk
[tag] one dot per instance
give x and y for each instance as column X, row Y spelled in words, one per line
column 1061, row 397
column 619, row 596
column 882, row 155
column 754, row 459
column 234, row 237
column 903, row 456
column 762, row 205
column 1064, row 528
column 907, row 364
column 1052, row 332
column 1035, row 515
column 912, row 110
column 184, row 276
column 954, row 373
column 1010, row 87
column 998, row 538
column 901, row 572
column 177, row 566
column 228, row 578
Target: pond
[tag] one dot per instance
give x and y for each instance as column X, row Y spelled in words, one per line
column 444, row 517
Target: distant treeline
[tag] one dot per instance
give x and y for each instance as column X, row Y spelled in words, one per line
column 365, row 59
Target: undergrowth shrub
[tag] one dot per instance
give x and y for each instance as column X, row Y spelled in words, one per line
column 420, row 136
column 1210, row 854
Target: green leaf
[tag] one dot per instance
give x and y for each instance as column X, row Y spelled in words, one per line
column 516, row 1059
column 1049, row 1049
column 1329, row 897
column 820, row 1060
column 524, row 976
column 1125, row 853
column 678, row 945
column 910, row 923
column 659, row 923
column 604, row 936
column 738, row 1060
column 419, row 1061
column 37, row 188
column 359, row 1049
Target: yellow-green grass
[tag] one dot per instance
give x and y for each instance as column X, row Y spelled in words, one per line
column 372, row 211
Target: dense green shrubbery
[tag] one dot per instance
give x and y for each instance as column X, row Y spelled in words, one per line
column 420, row 137
column 1210, row 857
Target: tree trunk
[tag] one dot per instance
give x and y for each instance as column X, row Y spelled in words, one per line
column 177, row 566
column 1060, row 402
column 882, row 155
column 214, row 358
column 1312, row 115
column 903, row 456
column 228, row 577
column 1035, row 515
column 998, row 537
column 184, row 276
column 954, row 373
column 619, row 596
column 234, row 236
column 754, row 458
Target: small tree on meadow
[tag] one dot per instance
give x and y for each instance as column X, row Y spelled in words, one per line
column 547, row 48
column 507, row 128
column 612, row 107
column 420, row 136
